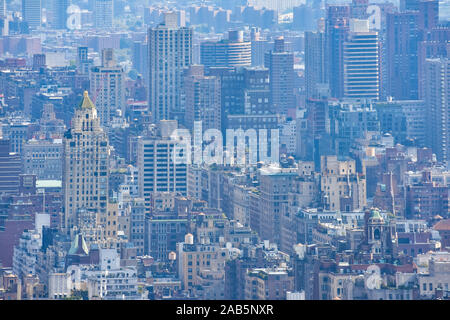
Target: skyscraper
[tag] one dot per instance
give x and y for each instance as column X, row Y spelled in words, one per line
column 402, row 63
column 336, row 28
column 59, row 13
column 2, row 8
column 232, row 92
column 31, row 12
column 303, row 18
column 437, row 97
column 170, row 51
column 259, row 46
column 202, row 98
column 281, row 73
column 434, row 45
column 316, row 76
column 103, row 13
column 231, row 52
column 140, row 58
column 10, row 168
column 108, row 88
column 85, row 168
column 361, row 62
column 82, row 60
column 428, row 14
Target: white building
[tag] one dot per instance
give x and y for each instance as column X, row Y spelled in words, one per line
column 158, row 172
column 59, row 285
column 30, row 243
column 107, row 281
column 25, row 253
column 433, row 273
column 112, row 282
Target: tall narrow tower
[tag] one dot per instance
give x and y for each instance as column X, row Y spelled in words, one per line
column 361, row 62
column 170, row 51
column 31, row 13
column 107, row 86
column 85, row 173
column 437, row 96
column 281, row 72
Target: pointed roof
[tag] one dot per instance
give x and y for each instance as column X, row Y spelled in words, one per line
column 86, row 103
column 443, row 225
column 79, row 246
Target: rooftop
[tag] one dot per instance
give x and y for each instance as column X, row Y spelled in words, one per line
column 443, row 225
column 48, row 184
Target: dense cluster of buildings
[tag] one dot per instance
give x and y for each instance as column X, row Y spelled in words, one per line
column 103, row 195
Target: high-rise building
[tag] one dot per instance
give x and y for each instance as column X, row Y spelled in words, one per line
column 170, row 51
column 361, row 62
column 274, row 188
column 303, row 18
column 281, row 73
column 140, row 58
column 343, row 188
column 10, row 168
column 428, row 14
column 316, row 76
column 43, row 158
column 231, row 52
column 103, row 11
column 85, row 168
column 359, row 9
column 435, row 44
column 401, row 55
column 2, row 8
column 437, row 97
column 232, row 97
column 82, row 60
column 259, row 46
column 202, row 99
column 58, row 14
column 257, row 91
column 31, row 12
column 158, row 172
column 108, row 88
column 336, row 29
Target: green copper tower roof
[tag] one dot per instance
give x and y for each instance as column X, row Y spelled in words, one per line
column 375, row 214
column 86, row 103
column 79, row 245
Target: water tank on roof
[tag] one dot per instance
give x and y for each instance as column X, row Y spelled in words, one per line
column 172, row 256
column 189, row 239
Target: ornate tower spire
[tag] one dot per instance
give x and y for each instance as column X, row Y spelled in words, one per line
column 86, row 103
